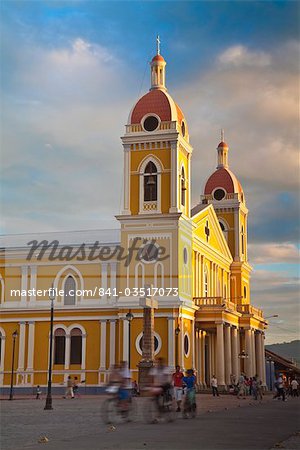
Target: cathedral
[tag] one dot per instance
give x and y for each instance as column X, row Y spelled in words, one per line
column 193, row 259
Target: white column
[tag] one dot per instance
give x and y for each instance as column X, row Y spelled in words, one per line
column 235, row 353
column 174, row 178
column 193, row 343
column 220, row 355
column 112, row 342
column 228, row 367
column 199, row 348
column 24, row 283
column 198, row 356
column 203, row 368
column 213, row 354
column 102, row 344
column 30, row 347
column 263, row 359
column 258, row 354
column 181, row 346
column 83, row 357
column 33, row 275
column 67, row 353
column 248, row 350
column 126, row 209
column 21, row 357
column 253, row 353
column 171, row 341
column 125, row 339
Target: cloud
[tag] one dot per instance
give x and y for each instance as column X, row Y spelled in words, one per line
column 273, row 253
column 239, row 55
column 277, row 293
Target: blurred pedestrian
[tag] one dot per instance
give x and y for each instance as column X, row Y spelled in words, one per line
column 76, row 387
column 242, row 387
column 178, row 387
column 38, row 392
column 214, row 386
column 294, row 386
column 69, row 389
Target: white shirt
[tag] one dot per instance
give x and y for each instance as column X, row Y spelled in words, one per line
column 214, row 382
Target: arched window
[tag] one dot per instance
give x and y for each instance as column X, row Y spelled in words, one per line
column 76, row 346
column 225, row 291
column 224, row 228
column 183, row 188
column 70, row 291
column 245, row 292
column 205, row 282
column 139, row 276
column 59, row 346
column 150, row 182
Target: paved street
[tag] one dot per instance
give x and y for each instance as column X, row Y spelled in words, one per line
column 76, row 424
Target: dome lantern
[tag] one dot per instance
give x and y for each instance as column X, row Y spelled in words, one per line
column 158, row 70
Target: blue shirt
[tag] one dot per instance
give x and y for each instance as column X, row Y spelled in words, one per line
column 189, row 381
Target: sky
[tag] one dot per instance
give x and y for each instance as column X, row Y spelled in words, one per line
column 71, row 72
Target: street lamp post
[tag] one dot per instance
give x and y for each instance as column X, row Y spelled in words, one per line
column 177, row 331
column 48, row 404
column 11, row 393
column 129, row 317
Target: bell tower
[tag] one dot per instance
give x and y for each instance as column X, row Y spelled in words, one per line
column 225, row 193
column 156, row 196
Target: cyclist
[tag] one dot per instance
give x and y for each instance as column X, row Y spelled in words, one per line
column 161, row 380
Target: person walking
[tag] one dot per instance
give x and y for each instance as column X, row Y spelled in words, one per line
column 294, row 386
column 69, row 390
column 242, row 387
column 178, row 387
column 214, row 386
column 38, row 392
column 280, row 387
column 76, row 387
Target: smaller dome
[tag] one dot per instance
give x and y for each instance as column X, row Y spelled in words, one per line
column 223, row 178
column 158, row 58
column 223, row 145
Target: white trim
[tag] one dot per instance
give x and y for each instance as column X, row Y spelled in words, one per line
column 150, row 115
column 157, row 265
column 2, row 287
column 137, row 342
column 63, row 288
column 136, row 275
column 141, row 169
column 69, row 268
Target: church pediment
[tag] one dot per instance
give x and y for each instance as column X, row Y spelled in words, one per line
column 207, row 229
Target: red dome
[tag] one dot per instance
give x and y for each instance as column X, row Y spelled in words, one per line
column 157, row 102
column 223, row 178
column 158, row 58
column 222, row 145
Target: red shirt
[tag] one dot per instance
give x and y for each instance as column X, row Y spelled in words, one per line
column 177, row 379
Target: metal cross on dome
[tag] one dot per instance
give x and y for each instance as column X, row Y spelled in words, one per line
column 207, row 231
column 157, row 45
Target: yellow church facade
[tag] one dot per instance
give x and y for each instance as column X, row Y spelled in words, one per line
column 192, row 260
